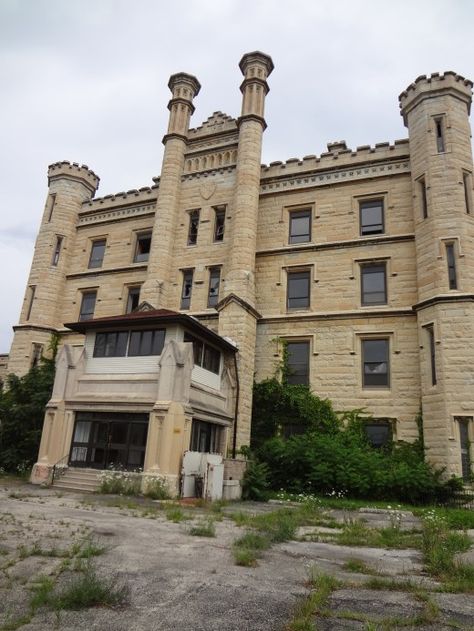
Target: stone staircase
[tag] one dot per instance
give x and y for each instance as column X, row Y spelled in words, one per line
column 83, row 480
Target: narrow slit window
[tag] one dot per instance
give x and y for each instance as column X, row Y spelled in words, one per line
column 193, row 227
column 187, row 289
column 439, row 126
column 432, row 349
column 36, row 355
column 214, row 282
column 51, row 203
column 57, row 251
column 451, row 259
column 31, row 300
column 219, row 224
column 466, row 178
column 424, row 198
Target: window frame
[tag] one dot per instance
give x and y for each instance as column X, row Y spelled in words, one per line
column 82, row 314
column 440, row 133
column 219, row 211
column 202, row 352
column 131, row 288
column 111, row 348
column 451, row 263
column 423, row 197
column 467, row 184
column 212, row 299
column 185, row 303
column 95, row 263
column 213, row 433
column 142, row 341
column 307, row 374
column 371, row 203
column 31, row 298
column 299, row 214
column 291, row 274
column 146, row 234
column 372, row 386
column 193, row 226
column 429, row 328
column 57, row 250
column 363, row 269
column 377, row 423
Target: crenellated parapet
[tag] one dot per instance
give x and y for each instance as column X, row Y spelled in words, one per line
column 74, row 171
column 434, row 85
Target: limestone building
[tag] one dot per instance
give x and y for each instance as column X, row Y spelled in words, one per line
column 361, row 260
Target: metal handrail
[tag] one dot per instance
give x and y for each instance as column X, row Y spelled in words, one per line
column 58, row 466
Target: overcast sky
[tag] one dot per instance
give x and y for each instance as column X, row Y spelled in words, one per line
column 86, row 81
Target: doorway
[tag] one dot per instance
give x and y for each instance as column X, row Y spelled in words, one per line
column 102, row 440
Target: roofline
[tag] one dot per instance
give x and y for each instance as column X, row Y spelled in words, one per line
column 181, row 318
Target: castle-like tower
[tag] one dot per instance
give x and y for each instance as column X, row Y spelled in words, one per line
column 361, row 260
column 436, row 109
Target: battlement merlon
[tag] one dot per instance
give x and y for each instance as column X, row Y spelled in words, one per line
column 74, row 171
column 427, row 87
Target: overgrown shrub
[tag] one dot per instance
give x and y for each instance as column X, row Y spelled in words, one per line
column 255, row 482
column 119, row 482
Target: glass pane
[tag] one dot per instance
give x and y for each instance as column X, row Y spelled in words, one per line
column 375, row 350
column 298, row 362
column 87, row 305
column 122, row 338
column 373, row 285
column 136, row 458
column 219, row 225
column 378, row 433
column 138, row 434
column 146, row 342
column 79, row 454
column 99, row 346
column 300, row 227
column 134, row 346
column 143, row 248
column 212, row 359
column 97, row 253
column 371, row 217
column 82, row 431
column 118, row 432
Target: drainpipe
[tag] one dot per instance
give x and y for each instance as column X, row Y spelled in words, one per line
column 237, row 396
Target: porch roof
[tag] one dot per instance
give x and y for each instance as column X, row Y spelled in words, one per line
column 152, row 318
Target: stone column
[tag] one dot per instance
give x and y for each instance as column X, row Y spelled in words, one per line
column 156, row 289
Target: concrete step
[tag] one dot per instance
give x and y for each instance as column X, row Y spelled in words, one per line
column 82, row 488
column 79, row 476
column 86, row 480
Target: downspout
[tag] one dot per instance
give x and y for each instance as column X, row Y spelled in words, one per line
column 237, row 396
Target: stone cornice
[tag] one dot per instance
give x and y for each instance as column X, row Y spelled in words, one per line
column 438, row 300
column 113, row 270
column 339, row 315
column 251, row 117
column 174, row 135
column 34, row 327
column 242, row 303
column 330, row 245
column 117, row 213
column 315, row 178
column 181, row 101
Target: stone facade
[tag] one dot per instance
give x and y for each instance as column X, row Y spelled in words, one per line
column 424, row 245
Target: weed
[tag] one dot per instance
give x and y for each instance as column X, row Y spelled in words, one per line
column 205, row 528
column 89, row 590
column 175, row 514
column 245, row 557
column 323, row 585
column 90, row 548
column 156, row 488
column 359, row 566
column 42, row 593
column 240, row 518
column 16, row 623
column 248, row 548
column 278, row 525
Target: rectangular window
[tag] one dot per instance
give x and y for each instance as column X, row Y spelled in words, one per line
column 133, row 299
column 424, row 199
column 97, row 253
column 298, row 362
column 300, row 226
column 379, row 433
column 146, row 342
column 142, row 248
column 371, row 217
column 214, row 281
column 298, row 290
column 466, row 178
column 375, row 363
column 36, row 355
column 111, row 344
column 57, row 250
column 30, row 300
column 204, row 355
column 205, row 437
column 219, row 224
column 187, row 289
column 51, row 202
column 465, row 445
column 432, row 348
column 439, row 129
column 193, row 227
column 373, row 284
column 87, row 305
column 451, row 258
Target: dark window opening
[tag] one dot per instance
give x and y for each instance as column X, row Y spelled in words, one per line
column 432, row 347
column 219, row 224
column 112, row 344
column 31, row 299
column 146, row 342
column 371, row 217
column 375, row 363
column 214, row 282
column 142, row 249
column 87, row 305
column 36, row 355
column 204, row 355
column 57, row 251
column 465, row 445
column 97, row 253
column 439, row 126
column 378, row 434
column 51, row 203
column 298, row 290
column 450, row 255
column 297, row 362
column 300, row 226
column 187, row 289
column 374, row 284
column 466, row 178
column 193, row 227
column 205, row 437
column 424, row 199
column 133, row 299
